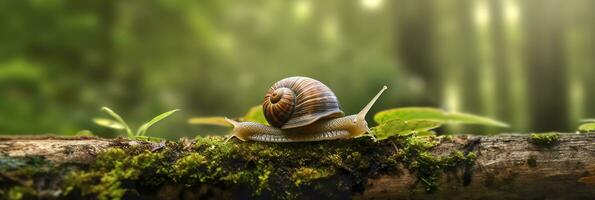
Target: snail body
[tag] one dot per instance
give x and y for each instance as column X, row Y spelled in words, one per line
column 302, row 109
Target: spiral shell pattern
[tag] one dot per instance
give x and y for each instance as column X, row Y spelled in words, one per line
column 299, row 101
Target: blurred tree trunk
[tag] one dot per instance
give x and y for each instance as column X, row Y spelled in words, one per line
column 545, row 58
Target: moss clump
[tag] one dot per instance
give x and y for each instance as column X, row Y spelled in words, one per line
column 18, row 175
column 22, row 166
column 188, row 167
column 544, row 139
column 305, row 175
column 113, row 169
column 417, row 157
column 19, row 192
column 327, row 169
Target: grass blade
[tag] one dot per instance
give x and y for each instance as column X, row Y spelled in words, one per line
column 118, row 119
column 216, row 121
column 143, row 129
column 109, row 123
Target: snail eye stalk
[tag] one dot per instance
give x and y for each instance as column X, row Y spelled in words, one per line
column 362, row 114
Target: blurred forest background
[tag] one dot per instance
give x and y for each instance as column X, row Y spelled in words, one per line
column 526, row 62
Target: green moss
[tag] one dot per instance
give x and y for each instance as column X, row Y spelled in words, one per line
column 18, row 174
column 305, row 175
column 113, row 167
column 328, row 169
column 19, row 192
column 427, row 166
column 447, row 138
column 27, row 164
column 109, row 158
column 189, row 167
column 263, row 180
column 544, row 139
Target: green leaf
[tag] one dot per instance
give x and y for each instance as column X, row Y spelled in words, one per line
column 217, row 121
column 143, row 129
column 401, row 127
column 255, row 114
column 587, row 127
column 433, row 114
column 587, row 120
column 119, row 119
column 108, row 123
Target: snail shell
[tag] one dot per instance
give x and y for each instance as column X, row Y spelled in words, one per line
column 299, row 101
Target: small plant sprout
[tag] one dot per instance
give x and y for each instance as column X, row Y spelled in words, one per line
column 119, row 124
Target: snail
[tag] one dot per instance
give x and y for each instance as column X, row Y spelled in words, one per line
column 302, row 109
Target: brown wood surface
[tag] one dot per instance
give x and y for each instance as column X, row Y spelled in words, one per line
column 508, row 166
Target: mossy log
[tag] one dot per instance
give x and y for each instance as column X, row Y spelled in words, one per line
column 506, row 166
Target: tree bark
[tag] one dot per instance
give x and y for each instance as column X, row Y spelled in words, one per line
column 510, row 167
column 507, row 166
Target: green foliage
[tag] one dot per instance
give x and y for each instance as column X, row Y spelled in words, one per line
column 110, row 123
column 305, row 175
column 421, row 121
column 400, row 127
column 544, row 139
column 143, row 128
column 433, row 114
column 120, row 124
column 20, row 70
column 588, row 125
column 255, row 114
column 117, row 63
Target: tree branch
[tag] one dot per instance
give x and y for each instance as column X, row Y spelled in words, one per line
column 507, row 166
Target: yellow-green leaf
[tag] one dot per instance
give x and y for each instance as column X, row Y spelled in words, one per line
column 400, row 127
column 118, row 119
column 216, row 121
column 587, row 127
column 108, row 123
column 255, row 114
column 143, row 129
column 433, row 114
